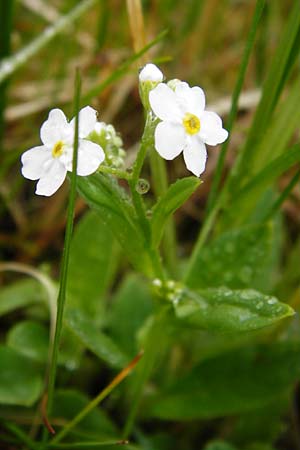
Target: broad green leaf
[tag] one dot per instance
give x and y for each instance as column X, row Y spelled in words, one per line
column 95, row 425
column 20, row 382
column 20, row 294
column 103, row 194
column 234, row 383
column 130, row 307
column 175, row 196
column 93, row 259
column 96, row 341
column 236, row 259
column 225, row 310
column 30, row 339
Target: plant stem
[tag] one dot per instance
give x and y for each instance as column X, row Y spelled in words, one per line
column 19, row 433
column 10, row 65
column 65, row 258
column 160, row 185
column 113, row 171
column 153, row 345
column 98, row 399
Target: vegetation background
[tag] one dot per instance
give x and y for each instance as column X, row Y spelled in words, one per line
column 244, row 406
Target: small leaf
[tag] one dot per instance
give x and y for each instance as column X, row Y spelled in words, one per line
column 20, row 382
column 234, row 383
column 93, row 259
column 227, row 310
column 20, row 294
column 237, row 259
column 175, row 196
column 103, row 194
column 96, row 341
column 30, row 339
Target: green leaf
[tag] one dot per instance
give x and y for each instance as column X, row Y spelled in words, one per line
column 96, row 341
column 20, row 382
column 93, row 259
column 96, row 424
column 29, row 339
column 130, row 307
column 20, row 294
column 175, row 196
column 234, row 383
column 102, row 193
column 237, row 259
column 225, row 310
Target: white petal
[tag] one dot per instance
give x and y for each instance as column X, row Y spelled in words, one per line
column 87, row 121
column 33, row 162
column 192, row 100
column 169, row 139
column 211, row 131
column 52, row 180
column 55, row 128
column 195, row 156
column 150, row 72
column 90, row 156
column 163, row 103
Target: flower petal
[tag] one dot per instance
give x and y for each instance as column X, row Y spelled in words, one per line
column 52, row 180
column 56, row 128
column 87, row 121
column 169, row 139
column 192, row 100
column 195, row 155
column 33, row 162
column 211, row 131
column 90, row 156
column 164, row 104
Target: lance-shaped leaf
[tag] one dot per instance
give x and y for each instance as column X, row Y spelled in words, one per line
column 102, row 193
column 227, row 310
column 174, row 197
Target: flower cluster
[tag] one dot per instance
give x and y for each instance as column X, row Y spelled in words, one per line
column 185, row 124
column 50, row 162
column 106, row 136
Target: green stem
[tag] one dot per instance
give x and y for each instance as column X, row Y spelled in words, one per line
column 160, row 185
column 153, row 345
column 113, row 171
column 10, row 65
column 65, row 258
column 87, row 444
column 234, row 104
column 22, row 437
column 95, row 402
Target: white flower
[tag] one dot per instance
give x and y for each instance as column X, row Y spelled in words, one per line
column 150, row 72
column 50, row 162
column 185, row 126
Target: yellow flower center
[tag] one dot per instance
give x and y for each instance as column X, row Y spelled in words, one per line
column 191, row 123
column 57, row 150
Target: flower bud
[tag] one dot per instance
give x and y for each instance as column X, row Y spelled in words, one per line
column 150, row 72
column 150, row 76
